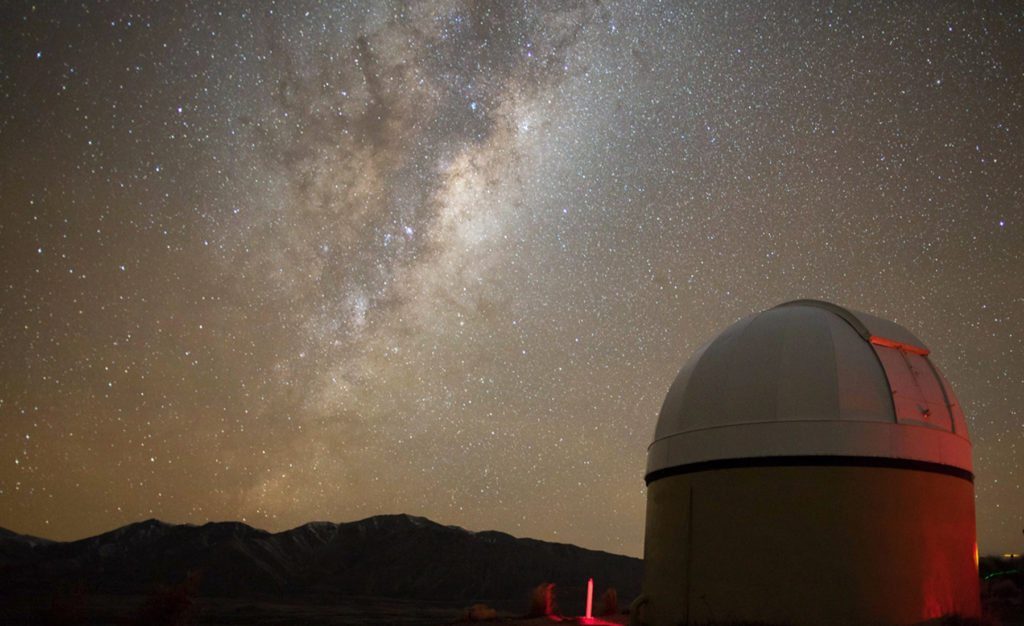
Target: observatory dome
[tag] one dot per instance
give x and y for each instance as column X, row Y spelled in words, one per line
column 810, row 465
column 809, row 379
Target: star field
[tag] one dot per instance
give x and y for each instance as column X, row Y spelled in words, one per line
column 300, row 261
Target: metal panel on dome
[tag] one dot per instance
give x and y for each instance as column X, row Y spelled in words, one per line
column 959, row 421
column 917, row 394
column 804, row 367
column 674, row 400
column 863, row 393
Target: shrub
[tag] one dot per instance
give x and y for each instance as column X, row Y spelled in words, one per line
column 479, row 613
column 542, row 600
column 609, row 602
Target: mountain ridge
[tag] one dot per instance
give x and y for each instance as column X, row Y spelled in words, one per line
column 391, row 556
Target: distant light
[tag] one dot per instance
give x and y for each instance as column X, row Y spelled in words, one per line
column 1002, row 573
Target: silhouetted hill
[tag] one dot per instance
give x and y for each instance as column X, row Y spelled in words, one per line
column 391, row 556
column 17, row 549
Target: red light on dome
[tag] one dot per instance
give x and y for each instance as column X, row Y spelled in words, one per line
column 906, row 347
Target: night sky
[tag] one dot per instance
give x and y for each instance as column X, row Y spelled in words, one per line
column 302, row 261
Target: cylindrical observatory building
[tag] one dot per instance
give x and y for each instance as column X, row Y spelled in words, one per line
column 810, row 466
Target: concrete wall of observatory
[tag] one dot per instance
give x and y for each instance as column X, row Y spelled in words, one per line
column 827, row 544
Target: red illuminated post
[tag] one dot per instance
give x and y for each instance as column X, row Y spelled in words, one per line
column 590, row 595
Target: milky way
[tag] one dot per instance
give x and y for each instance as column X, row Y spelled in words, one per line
column 306, row 262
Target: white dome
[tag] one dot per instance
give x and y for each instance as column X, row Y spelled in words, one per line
column 810, row 379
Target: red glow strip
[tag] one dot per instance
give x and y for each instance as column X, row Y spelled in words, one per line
column 889, row 343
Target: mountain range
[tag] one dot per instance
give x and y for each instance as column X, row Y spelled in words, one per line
column 391, row 556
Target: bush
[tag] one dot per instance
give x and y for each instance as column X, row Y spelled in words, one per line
column 479, row 613
column 542, row 600
column 609, row 603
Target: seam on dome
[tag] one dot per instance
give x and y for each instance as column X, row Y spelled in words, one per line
column 844, row 314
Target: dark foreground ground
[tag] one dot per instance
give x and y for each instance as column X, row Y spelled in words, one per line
column 176, row 610
column 1002, row 590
